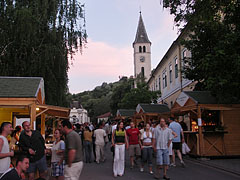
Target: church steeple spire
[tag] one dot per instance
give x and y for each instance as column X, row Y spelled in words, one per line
column 141, row 36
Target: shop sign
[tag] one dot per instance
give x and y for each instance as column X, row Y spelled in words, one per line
column 182, row 99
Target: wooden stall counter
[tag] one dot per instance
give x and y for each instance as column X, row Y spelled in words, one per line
column 213, row 143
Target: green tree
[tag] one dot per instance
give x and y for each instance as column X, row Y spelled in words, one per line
column 119, row 91
column 97, row 101
column 214, row 36
column 39, row 38
column 141, row 94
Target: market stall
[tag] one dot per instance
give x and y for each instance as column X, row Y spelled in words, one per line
column 150, row 112
column 24, row 97
column 125, row 114
column 214, row 128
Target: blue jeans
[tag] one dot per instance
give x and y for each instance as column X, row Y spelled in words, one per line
column 88, row 151
column 147, row 153
column 162, row 157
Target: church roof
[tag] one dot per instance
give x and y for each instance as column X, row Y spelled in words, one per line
column 141, row 36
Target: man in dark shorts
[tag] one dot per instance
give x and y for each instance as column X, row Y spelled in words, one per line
column 177, row 141
column 22, row 165
column 33, row 145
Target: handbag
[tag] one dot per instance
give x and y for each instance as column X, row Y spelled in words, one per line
column 185, row 148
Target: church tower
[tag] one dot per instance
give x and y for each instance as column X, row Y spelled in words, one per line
column 142, row 52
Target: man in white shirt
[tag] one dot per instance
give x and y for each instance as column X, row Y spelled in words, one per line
column 5, row 130
column 100, row 135
column 162, row 138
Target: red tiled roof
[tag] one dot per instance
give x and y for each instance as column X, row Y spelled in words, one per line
column 108, row 114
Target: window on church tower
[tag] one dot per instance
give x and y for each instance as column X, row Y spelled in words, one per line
column 142, row 72
column 140, row 49
column 144, row 48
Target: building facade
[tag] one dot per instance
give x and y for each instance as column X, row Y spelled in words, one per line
column 79, row 116
column 168, row 77
column 142, row 52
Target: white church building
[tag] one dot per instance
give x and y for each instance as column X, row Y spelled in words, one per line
column 79, row 116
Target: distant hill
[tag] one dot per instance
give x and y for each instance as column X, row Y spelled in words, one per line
column 98, row 101
column 113, row 96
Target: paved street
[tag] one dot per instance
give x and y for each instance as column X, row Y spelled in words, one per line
column 192, row 171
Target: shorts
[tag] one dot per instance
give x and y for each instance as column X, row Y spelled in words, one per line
column 162, row 157
column 134, row 149
column 176, row 145
column 73, row 172
column 57, row 170
column 41, row 165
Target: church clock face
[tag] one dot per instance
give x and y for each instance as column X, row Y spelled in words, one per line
column 142, row 58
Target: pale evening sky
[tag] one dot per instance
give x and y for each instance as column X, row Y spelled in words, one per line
column 111, row 27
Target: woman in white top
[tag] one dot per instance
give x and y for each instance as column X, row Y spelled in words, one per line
column 146, row 146
column 57, row 150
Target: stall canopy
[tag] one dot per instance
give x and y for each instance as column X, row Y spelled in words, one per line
column 25, row 97
column 152, row 108
column 125, row 114
column 146, row 112
column 189, row 100
column 216, row 123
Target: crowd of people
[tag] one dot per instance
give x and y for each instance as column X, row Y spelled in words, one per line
column 75, row 144
column 154, row 139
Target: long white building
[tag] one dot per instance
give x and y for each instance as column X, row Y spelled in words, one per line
column 167, row 77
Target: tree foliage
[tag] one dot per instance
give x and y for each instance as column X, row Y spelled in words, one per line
column 38, row 38
column 214, row 36
column 125, row 96
column 141, row 94
column 97, row 101
column 113, row 96
column 120, row 90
